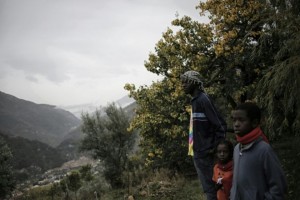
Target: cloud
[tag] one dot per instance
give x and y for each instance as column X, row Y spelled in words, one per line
column 65, row 43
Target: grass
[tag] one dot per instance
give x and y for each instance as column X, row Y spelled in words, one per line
column 191, row 190
column 185, row 190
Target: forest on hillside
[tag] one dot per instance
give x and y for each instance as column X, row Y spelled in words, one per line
column 249, row 51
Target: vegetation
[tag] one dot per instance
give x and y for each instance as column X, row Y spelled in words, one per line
column 7, row 182
column 31, row 158
column 248, row 52
column 161, row 184
column 107, row 137
column 83, row 183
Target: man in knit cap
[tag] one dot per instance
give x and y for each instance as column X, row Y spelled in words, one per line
column 207, row 128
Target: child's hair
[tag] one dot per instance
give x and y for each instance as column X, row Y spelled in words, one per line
column 229, row 145
column 252, row 110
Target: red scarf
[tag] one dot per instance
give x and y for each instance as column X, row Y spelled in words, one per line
column 253, row 135
column 227, row 167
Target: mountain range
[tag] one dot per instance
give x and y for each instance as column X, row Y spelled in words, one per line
column 45, row 123
column 77, row 110
column 42, row 136
column 41, row 122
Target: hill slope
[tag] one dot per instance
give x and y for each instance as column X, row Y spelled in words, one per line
column 40, row 122
column 70, row 145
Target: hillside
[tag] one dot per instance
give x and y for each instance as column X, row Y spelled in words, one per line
column 41, row 137
column 69, row 147
column 31, row 157
column 70, row 144
column 32, row 121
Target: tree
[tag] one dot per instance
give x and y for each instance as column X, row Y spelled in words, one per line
column 161, row 126
column 7, row 182
column 259, row 41
column 162, row 116
column 64, row 187
column 54, row 190
column 107, row 137
column 278, row 91
column 74, row 182
column 245, row 49
column 85, row 172
column 238, row 28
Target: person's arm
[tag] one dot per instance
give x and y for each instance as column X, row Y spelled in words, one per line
column 214, row 118
column 277, row 185
column 216, row 179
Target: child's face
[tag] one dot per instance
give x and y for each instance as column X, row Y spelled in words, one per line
column 242, row 124
column 223, row 153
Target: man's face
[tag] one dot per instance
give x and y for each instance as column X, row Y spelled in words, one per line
column 187, row 87
column 242, row 124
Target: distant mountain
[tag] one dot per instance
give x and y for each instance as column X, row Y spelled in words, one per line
column 70, row 145
column 31, row 158
column 28, row 153
column 125, row 101
column 77, row 110
column 45, row 123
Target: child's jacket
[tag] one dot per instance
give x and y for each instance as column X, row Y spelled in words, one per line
column 226, row 173
column 257, row 173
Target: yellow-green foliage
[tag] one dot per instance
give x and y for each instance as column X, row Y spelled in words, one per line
column 248, row 51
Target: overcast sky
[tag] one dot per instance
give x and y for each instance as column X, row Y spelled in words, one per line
column 68, row 52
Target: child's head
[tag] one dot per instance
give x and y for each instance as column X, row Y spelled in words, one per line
column 224, row 151
column 245, row 117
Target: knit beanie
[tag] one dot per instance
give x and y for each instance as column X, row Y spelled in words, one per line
column 192, row 77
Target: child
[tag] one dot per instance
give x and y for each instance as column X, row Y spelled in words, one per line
column 257, row 172
column 223, row 169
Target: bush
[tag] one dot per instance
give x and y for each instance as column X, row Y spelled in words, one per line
column 166, row 185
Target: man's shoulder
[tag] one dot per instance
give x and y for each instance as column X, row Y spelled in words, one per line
column 259, row 144
column 262, row 147
column 202, row 96
column 262, row 144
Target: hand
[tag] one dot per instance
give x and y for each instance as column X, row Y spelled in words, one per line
column 219, row 180
column 218, row 186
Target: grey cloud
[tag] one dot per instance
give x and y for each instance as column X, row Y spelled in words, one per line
column 81, row 41
column 32, row 78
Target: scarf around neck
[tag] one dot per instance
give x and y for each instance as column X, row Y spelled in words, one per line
column 190, row 150
column 253, row 135
column 227, row 167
